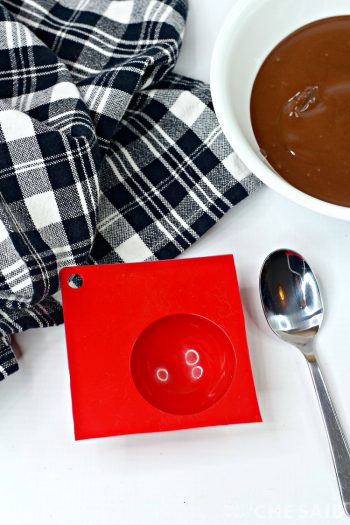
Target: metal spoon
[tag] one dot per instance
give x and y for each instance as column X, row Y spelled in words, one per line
column 293, row 308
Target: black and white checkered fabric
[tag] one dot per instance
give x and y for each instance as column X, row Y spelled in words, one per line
column 105, row 155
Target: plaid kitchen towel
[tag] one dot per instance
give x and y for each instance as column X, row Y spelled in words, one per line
column 105, row 155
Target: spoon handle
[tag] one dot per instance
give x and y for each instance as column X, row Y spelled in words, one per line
column 337, row 441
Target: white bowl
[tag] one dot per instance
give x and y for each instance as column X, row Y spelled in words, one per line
column 252, row 29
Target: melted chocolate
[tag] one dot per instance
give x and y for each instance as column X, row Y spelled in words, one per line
column 300, row 109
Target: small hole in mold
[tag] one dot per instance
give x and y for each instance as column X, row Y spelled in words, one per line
column 75, row 281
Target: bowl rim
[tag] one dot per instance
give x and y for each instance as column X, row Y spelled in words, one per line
column 235, row 136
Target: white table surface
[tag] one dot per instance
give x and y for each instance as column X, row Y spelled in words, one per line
column 280, row 470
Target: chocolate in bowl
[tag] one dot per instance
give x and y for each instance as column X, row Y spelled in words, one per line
column 300, row 109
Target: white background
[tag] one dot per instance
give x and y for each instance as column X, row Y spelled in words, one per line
column 280, row 470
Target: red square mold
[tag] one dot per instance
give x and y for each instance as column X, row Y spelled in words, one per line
column 156, row 346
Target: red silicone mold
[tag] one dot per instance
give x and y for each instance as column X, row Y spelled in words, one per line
column 156, row 346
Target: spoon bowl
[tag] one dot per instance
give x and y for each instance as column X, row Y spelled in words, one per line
column 293, row 308
column 291, row 298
